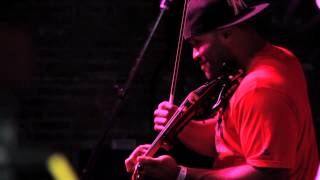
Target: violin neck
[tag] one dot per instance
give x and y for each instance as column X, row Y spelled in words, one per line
column 182, row 116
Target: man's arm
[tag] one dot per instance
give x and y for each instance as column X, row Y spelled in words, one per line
column 246, row 172
column 199, row 136
column 164, row 167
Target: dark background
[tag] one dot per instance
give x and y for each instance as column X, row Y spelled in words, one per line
column 60, row 62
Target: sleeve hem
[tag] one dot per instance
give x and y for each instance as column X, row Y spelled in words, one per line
column 266, row 163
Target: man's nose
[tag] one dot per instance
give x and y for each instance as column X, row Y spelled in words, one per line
column 196, row 54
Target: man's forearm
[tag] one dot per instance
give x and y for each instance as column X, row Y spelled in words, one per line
column 246, row 172
column 199, row 136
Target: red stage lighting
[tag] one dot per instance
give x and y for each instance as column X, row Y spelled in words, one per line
column 318, row 4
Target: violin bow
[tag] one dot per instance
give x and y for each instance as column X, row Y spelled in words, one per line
column 178, row 54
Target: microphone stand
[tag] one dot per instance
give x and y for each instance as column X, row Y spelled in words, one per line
column 122, row 91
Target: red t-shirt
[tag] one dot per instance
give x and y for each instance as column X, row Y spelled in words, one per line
column 268, row 122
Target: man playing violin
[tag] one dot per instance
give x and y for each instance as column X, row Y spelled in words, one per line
column 266, row 130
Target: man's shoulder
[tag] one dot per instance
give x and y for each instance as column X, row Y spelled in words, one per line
column 262, row 81
column 274, row 52
column 278, row 70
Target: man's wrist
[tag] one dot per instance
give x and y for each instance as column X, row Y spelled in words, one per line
column 182, row 173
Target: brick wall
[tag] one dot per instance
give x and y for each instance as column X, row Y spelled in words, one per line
column 72, row 54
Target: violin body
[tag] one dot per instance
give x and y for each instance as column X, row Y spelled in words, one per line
column 218, row 91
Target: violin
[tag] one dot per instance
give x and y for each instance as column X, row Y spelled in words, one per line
column 218, row 91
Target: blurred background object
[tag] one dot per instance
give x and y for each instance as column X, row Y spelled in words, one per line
column 60, row 168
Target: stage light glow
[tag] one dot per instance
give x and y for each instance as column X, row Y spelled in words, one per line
column 60, row 168
column 318, row 4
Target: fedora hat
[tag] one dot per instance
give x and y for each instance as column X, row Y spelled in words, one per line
column 207, row 15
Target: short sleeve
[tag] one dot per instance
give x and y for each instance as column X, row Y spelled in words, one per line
column 267, row 128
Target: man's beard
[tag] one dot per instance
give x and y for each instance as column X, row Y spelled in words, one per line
column 223, row 66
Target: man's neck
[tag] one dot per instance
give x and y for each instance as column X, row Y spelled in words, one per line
column 254, row 45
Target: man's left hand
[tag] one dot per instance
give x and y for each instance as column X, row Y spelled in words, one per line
column 162, row 168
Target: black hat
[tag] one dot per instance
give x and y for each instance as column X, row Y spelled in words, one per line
column 206, row 15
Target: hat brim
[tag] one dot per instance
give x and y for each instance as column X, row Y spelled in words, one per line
column 254, row 11
column 250, row 12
